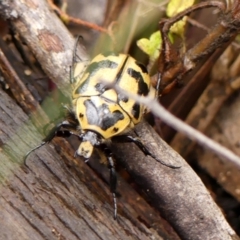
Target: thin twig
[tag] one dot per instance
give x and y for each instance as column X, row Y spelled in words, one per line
column 179, row 125
column 76, row 20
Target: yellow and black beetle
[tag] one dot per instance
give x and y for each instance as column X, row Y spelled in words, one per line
column 99, row 113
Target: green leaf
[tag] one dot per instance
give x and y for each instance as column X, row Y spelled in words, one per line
column 151, row 46
column 173, row 8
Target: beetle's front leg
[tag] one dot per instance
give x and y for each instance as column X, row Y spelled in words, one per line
column 55, row 132
column 113, row 176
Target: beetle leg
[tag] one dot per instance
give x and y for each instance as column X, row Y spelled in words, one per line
column 137, row 141
column 55, row 132
column 141, row 146
column 113, row 176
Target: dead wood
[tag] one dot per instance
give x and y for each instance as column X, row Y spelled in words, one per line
column 50, row 200
column 218, row 118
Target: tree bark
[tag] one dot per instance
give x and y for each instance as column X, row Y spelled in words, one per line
column 50, row 200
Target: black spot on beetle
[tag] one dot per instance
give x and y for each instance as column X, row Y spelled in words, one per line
column 142, row 86
column 81, row 115
column 95, row 66
column 111, row 119
column 115, row 129
column 101, row 116
column 142, row 66
column 136, row 110
column 92, row 69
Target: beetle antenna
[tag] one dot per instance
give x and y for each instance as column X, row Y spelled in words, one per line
column 113, row 176
column 32, row 150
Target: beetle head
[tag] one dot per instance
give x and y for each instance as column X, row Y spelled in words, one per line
column 89, row 140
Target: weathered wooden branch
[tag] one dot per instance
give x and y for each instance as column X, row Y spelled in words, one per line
column 52, row 200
